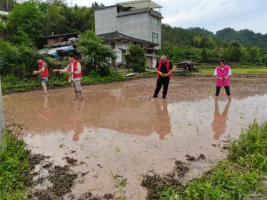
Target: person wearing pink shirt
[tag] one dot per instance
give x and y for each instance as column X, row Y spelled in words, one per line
column 222, row 74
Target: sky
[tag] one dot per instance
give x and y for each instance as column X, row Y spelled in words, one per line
column 212, row 15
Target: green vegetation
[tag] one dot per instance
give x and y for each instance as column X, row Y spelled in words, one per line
column 14, row 168
column 244, row 37
column 180, row 44
column 95, row 53
column 240, row 71
column 135, row 58
column 236, row 177
column 24, row 24
column 43, row 18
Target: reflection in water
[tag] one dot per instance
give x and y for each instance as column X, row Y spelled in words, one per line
column 46, row 113
column 77, row 119
column 163, row 126
column 219, row 123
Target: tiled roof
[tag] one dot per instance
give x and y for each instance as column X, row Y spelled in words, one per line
column 116, row 36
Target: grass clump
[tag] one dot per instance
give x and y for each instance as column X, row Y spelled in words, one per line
column 14, row 168
column 237, row 177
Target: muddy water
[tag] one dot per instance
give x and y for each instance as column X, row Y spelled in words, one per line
column 119, row 129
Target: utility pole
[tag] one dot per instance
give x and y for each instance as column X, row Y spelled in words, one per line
column 2, row 119
column 265, row 61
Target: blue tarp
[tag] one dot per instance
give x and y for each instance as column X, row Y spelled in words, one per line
column 53, row 51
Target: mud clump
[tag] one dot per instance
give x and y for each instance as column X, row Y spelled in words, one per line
column 190, row 158
column 35, row 159
column 43, row 195
column 71, row 161
column 193, row 158
column 108, row 196
column 181, row 167
column 62, row 180
column 86, row 196
column 155, row 184
column 201, row 157
column 48, row 165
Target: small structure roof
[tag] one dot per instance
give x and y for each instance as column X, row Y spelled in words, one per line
column 139, row 4
column 119, row 36
column 65, row 34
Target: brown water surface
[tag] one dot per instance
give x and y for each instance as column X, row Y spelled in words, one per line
column 120, row 129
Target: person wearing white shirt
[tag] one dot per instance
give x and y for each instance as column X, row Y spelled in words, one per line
column 222, row 73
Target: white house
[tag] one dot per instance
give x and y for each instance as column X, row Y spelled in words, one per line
column 129, row 23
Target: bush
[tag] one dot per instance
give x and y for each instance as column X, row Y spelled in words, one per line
column 136, row 58
column 17, row 59
column 95, row 53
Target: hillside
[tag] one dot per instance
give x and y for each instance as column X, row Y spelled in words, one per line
column 243, row 37
column 200, row 45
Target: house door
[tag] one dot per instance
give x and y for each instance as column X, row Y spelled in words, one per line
column 123, row 55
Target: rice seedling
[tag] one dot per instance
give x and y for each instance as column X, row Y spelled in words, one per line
column 112, row 176
column 61, row 145
column 117, row 148
column 111, row 141
column 98, row 188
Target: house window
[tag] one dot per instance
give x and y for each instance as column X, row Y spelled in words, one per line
column 155, row 38
column 155, row 21
column 113, row 45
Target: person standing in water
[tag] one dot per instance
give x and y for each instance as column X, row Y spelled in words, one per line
column 74, row 70
column 164, row 71
column 222, row 73
column 43, row 73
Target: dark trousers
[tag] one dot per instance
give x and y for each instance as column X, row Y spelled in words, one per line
column 227, row 90
column 162, row 81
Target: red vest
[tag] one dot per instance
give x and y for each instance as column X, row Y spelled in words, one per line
column 74, row 70
column 221, row 74
column 45, row 72
column 168, row 68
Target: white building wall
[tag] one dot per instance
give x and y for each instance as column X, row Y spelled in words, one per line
column 118, row 47
column 137, row 25
column 106, row 20
column 134, row 25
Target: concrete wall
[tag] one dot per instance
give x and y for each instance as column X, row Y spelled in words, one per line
column 118, row 47
column 137, row 25
column 134, row 25
column 106, row 20
column 155, row 29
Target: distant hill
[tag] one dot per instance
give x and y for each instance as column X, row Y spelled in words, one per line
column 244, row 37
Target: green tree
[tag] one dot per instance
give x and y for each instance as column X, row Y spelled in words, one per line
column 204, row 55
column 94, row 52
column 55, row 20
column 2, row 27
column 136, row 58
column 24, row 23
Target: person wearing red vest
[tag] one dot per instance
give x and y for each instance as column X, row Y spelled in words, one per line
column 43, row 73
column 74, row 71
column 222, row 74
column 164, row 71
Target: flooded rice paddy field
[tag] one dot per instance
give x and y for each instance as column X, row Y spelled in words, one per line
column 121, row 132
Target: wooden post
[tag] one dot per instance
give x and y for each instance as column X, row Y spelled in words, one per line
column 2, row 119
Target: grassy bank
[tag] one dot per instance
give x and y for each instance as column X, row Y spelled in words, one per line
column 213, row 66
column 14, row 169
column 12, row 84
column 240, row 71
column 237, row 177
